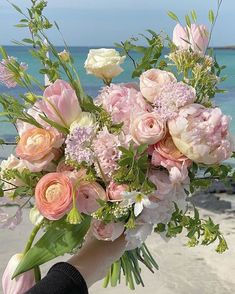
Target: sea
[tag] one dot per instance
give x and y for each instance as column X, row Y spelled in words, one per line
column 92, row 85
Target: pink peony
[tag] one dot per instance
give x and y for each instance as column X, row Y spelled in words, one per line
column 114, row 191
column 121, row 101
column 53, row 195
column 202, row 134
column 60, row 103
column 181, row 37
column 167, row 155
column 147, row 128
column 152, row 81
column 20, row 284
column 39, row 147
column 87, row 196
column 107, row 232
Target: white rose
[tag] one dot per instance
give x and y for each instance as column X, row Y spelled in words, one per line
column 104, row 63
column 85, row 119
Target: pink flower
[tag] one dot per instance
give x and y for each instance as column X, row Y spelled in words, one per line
column 121, row 101
column 152, row 81
column 114, row 191
column 87, row 196
column 60, row 103
column 7, row 77
column 167, row 155
column 20, row 284
column 202, row 134
column 199, row 38
column 106, row 151
column 63, row 167
column 53, row 195
column 181, row 37
column 147, row 128
column 38, row 147
column 195, row 37
column 107, row 232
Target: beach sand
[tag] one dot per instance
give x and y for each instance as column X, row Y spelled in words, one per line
column 183, row 270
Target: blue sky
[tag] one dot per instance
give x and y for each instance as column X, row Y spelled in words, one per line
column 103, row 22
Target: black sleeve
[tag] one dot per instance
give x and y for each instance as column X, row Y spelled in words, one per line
column 62, row 278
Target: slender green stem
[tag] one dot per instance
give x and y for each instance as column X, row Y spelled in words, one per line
column 32, row 237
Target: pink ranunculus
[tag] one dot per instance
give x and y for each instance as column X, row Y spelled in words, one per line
column 114, row 191
column 39, row 147
column 87, row 195
column 202, row 134
column 181, row 37
column 167, row 155
column 107, row 232
column 21, row 283
column 121, row 101
column 152, row 81
column 60, row 103
column 147, row 128
column 199, row 38
column 53, row 195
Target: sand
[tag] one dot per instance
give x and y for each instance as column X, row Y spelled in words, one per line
column 182, row 270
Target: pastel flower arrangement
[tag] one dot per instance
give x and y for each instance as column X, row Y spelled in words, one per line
column 123, row 163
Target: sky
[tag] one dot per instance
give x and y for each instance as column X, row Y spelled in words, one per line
column 103, row 22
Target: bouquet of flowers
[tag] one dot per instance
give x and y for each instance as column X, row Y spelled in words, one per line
column 122, row 163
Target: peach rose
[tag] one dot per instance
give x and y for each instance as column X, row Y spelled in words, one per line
column 106, row 232
column 151, row 82
column 87, row 196
column 147, row 128
column 39, row 147
column 167, row 155
column 54, row 195
column 114, row 191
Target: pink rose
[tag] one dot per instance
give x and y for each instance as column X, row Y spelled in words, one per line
column 53, row 195
column 20, row 284
column 147, row 128
column 60, row 103
column 195, row 37
column 87, row 196
column 107, row 232
column 114, row 191
column 152, row 81
column 38, row 147
column 167, row 155
column 202, row 134
column 121, row 101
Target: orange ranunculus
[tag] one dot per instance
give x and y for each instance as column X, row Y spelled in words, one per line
column 38, row 146
column 54, row 195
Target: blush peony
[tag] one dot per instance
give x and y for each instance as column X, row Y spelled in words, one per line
column 107, row 232
column 202, row 134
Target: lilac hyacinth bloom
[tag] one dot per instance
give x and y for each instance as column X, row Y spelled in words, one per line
column 7, row 77
column 173, row 96
column 78, row 145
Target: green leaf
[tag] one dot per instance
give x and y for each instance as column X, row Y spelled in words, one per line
column 55, row 125
column 59, row 239
column 211, row 16
column 142, row 148
column 188, row 21
column 4, row 53
column 29, row 41
column 173, row 15
column 17, row 8
column 194, row 15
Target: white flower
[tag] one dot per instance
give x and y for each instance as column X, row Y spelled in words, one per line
column 138, row 199
column 35, row 216
column 85, row 119
column 104, row 63
column 136, row 237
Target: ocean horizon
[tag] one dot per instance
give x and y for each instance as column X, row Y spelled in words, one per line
column 92, row 85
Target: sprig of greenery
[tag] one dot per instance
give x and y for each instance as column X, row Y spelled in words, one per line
column 200, row 231
column 150, row 54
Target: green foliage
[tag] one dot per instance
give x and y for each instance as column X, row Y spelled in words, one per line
column 60, row 238
column 173, row 16
column 199, row 231
column 211, row 16
column 150, row 54
column 133, row 169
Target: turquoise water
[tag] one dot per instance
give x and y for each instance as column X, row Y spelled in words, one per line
column 92, row 85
